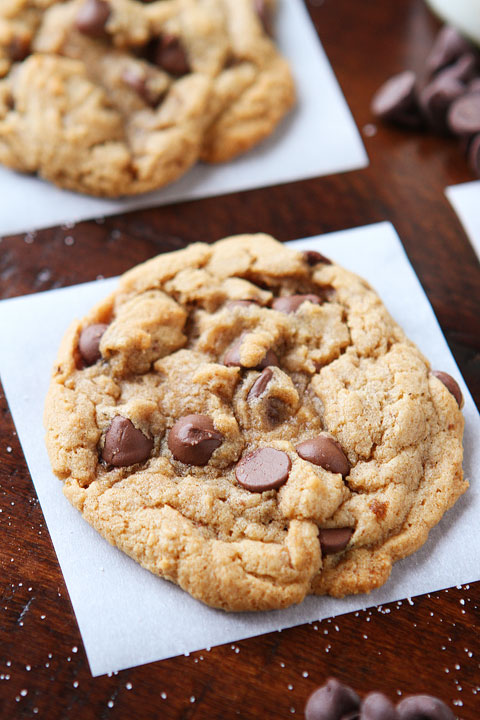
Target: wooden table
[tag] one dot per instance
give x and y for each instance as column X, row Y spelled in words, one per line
column 429, row 645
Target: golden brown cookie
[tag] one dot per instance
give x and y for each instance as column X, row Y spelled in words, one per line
column 249, row 422
column 118, row 97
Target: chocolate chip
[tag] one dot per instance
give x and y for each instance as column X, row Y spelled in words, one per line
column 263, row 469
column 170, row 55
column 18, row 49
column 240, row 303
column 260, row 384
column 474, row 154
column 436, row 99
column 264, row 13
column 464, row 114
column 137, row 81
column 377, row 706
column 474, row 85
column 333, row 701
column 193, row 439
column 92, row 17
column 232, row 357
column 423, row 707
column 448, row 46
column 396, row 100
column 464, row 69
column 291, row 303
column 326, row 452
column 333, row 540
column 312, row 257
column 125, row 444
column 451, row 385
column 89, row 342
column 270, row 359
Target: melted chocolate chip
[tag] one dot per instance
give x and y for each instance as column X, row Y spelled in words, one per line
column 260, row 384
column 264, row 13
column 125, row 444
column 423, row 707
column 263, row 469
column 193, row 439
column 92, row 17
column 326, row 452
column 396, row 100
column 291, row 303
column 333, row 540
column 232, row 357
column 377, row 706
column 451, row 385
column 89, row 342
column 333, row 701
column 135, row 80
column 170, row 55
column 18, row 49
column 240, row 303
column 312, row 257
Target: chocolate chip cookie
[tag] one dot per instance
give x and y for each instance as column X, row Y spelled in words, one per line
column 249, row 422
column 117, row 97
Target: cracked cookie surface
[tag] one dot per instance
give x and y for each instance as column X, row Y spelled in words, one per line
column 119, row 97
column 250, row 423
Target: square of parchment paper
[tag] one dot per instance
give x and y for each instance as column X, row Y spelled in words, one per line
column 128, row 616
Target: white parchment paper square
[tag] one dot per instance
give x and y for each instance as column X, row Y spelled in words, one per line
column 318, row 138
column 465, row 199
column 128, row 616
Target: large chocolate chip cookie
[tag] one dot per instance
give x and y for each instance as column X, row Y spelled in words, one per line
column 249, row 422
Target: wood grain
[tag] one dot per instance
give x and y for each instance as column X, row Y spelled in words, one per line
column 431, row 644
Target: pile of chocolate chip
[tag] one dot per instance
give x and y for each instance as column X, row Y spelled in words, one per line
column 444, row 99
column 335, row 701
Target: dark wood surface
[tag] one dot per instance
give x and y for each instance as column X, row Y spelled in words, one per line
column 431, row 645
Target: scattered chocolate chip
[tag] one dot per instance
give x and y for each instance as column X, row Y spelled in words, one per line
column 464, row 69
column 464, row 114
column 92, row 17
column 396, row 100
column 291, row 303
column 125, row 444
column 263, row 469
column 326, row 452
column 260, row 384
column 18, row 49
column 264, row 13
column 89, row 342
column 333, row 540
column 240, row 303
column 448, row 46
column 474, row 85
column 451, row 385
column 193, row 439
column 232, row 357
column 474, row 154
column 423, row 707
column 377, row 706
column 435, row 100
column 333, row 701
column 170, row 55
column 312, row 257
